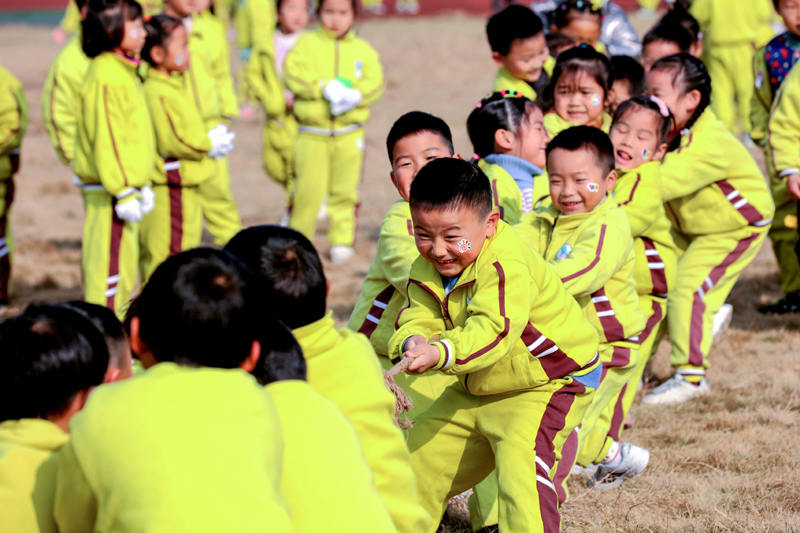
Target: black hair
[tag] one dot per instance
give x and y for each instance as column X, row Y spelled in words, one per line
column 691, row 74
column 556, row 41
column 671, row 33
column 583, row 58
column 586, row 138
column 291, row 278
column 679, row 14
column 159, row 32
column 512, row 23
column 416, row 122
column 80, row 4
column 107, row 323
column 450, row 184
column 48, row 355
column 663, row 125
column 199, row 308
column 496, row 112
column 319, row 6
column 103, row 29
column 281, row 355
column 561, row 16
column 628, row 69
column 777, row 4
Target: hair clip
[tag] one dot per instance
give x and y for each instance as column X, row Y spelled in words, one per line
column 476, row 157
column 480, row 105
column 147, row 18
column 662, row 107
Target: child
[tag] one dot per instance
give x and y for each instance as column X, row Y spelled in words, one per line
column 325, row 480
column 185, row 149
column 586, row 238
column 678, row 14
column 732, row 30
column 519, row 49
column 415, row 139
column 708, row 171
column 639, row 134
column 664, row 40
column 264, row 73
column 557, row 43
column 335, row 77
column 61, row 95
column 51, row 360
column 507, row 133
column 628, row 81
column 581, row 21
column 208, row 439
column 13, row 124
column 771, row 65
column 579, row 87
column 525, row 378
column 115, row 151
column 342, row 365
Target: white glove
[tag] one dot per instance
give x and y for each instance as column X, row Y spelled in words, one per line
column 221, row 141
column 350, row 99
column 334, row 91
column 130, row 211
column 148, row 199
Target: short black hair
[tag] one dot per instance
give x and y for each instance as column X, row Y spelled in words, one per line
column 586, row 138
column 281, row 355
column 451, row 184
column 504, row 110
column 664, row 124
column 561, row 16
column 556, row 41
column 679, row 14
column 512, row 23
column 628, row 69
column 159, row 31
column 671, row 33
column 109, row 326
column 104, row 26
column 48, row 354
column 291, row 278
column 583, row 58
column 80, row 3
column 416, row 122
column 199, row 308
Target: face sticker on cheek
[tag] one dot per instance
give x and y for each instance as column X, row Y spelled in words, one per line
column 134, row 33
column 593, row 187
column 180, row 59
column 646, row 153
column 596, row 100
column 464, row 245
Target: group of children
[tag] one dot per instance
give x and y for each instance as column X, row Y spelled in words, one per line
column 525, row 291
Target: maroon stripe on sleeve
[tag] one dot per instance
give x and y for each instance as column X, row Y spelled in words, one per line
column 658, row 276
column 750, row 213
column 117, row 226
column 612, row 328
column 376, row 311
column 501, row 287
column 633, row 191
column 410, row 227
column 688, row 144
column 594, row 261
column 497, row 200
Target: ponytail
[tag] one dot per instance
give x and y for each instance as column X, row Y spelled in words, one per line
column 690, row 75
column 503, row 110
column 159, row 30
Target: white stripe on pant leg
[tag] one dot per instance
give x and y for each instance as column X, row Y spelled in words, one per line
column 731, row 195
column 655, row 266
column 547, row 352
column 382, row 305
column 701, row 292
column 651, row 252
column 598, row 299
column 110, row 280
column 111, row 292
column 709, row 283
column 373, row 319
column 545, row 481
column 535, row 344
column 541, row 463
column 605, row 313
column 740, row 203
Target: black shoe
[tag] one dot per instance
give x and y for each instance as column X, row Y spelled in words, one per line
column 788, row 304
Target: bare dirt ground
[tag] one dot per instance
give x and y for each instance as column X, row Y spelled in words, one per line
column 729, row 462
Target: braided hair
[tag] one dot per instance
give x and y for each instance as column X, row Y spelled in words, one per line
column 690, row 75
column 159, row 31
column 504, row 110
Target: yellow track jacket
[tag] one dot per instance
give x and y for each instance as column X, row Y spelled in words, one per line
column 711, row 182
column 592, row 254
column 60, row 98
column 264, row 82
column 317, row 58
column 554, row 124
column 201, row 86
column 724, row 22
column 325, row 481
column 784, row 128
column 771, row 65
column 28, row 466
column 504, row 80
column 383, row 293
column 180, row 132
column 508, row 325
column 505, row 192
column 198, row 449
column 116, row 144
column 639, row 194
column 255, row 20
column 216, row 54
column 13, row 122
column 343, row 367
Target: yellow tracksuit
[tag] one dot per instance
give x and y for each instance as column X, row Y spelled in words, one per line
column 203, row 462
column 383, row 295
column 504, row 80
column 782, row 160
column 720, row 210
column 254, row 20
column 554, row 124
column 71, row 20
column 13, row 123
column 509, row 200
column 527, row 366
column 214, row 98
column 342, row 367
column 176, row 222
column 329, row 151
column 325, row 480
column 28, row 465
column 60, row 95
column 114, row 158
column 731, row 33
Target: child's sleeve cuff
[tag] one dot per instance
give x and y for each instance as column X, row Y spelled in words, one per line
column 789, row 171
column 446, row 354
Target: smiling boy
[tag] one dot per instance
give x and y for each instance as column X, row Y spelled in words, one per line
column 484, row 307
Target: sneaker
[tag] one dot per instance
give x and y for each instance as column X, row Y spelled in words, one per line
column 676, row 390
column 322, row 214
column 722, row 321
column 634, row 461
column 585, row 471
column 342, row 254
column 284, row 221
column 788, row 304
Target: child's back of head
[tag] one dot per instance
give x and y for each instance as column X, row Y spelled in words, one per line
column 281, row 355
column 628, row 81
column 291, row 278
column 664, row 39
column 103, row 29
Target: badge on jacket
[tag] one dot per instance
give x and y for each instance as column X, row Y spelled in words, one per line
column 564, row 252
column 359, row 69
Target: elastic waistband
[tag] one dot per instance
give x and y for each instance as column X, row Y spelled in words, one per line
column 328, row 132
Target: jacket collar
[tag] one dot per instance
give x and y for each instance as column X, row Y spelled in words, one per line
column 34, row 433
column 645, row 168
column 349, row 36
column 174, row 80
column 318, row 337
column 551, row 214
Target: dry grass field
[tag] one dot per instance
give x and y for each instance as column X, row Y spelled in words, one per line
column 729, row 462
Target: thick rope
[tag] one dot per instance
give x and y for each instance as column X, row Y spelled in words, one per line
column 404, row 403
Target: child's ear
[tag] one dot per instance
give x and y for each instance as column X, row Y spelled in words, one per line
column 661, row 151
column 504, row 139
column 694, row 98
column 611, row 180
column 457, row 156
column 252, row 360
column 139, row 347
column 158, row 54
column 394, row 180
column 553, row 28
column 491, row 223
column 498, row 59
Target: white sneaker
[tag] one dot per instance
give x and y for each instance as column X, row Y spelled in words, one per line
column 284, row 221
column 722, row 321
column 342, row 254
column 676, row 390
column 634, row 461
column 585, row 471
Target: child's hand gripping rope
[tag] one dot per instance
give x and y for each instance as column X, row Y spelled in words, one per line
column 404, row 403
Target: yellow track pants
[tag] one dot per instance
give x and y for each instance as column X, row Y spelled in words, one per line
column 110, row 253
column 328, row 166
column 461, row 439
column 783, row 234
column 219, row 207
column 731, row 71
column 6, row 239
column 423, row 389
column 277, row 141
